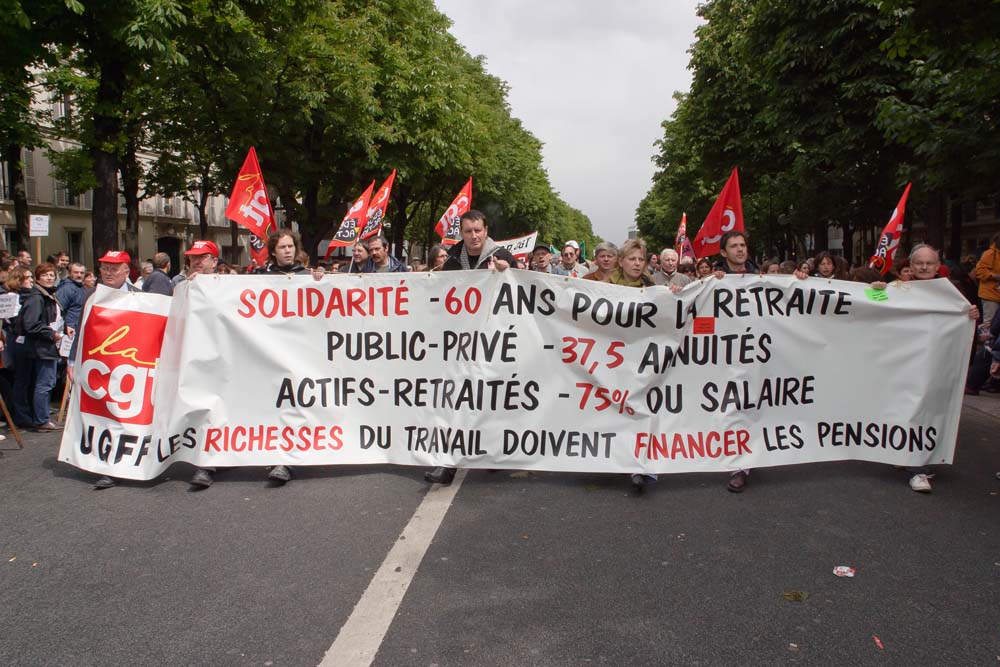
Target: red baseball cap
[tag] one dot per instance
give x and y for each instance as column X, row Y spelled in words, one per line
column 204, row 248
column 116, row 257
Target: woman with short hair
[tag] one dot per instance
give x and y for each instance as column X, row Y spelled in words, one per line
column 39, row 328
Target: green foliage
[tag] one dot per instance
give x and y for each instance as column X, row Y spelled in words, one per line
column 332, row 93
column 828, row 107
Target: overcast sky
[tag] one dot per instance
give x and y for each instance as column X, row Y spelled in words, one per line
column 592, row 80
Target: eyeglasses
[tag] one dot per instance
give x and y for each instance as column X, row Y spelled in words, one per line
column 923, row 265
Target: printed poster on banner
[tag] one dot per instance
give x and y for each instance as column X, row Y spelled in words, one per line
column 109, row 426
column 521, row 370
column 520, row 247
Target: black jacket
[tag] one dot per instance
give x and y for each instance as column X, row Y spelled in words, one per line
column 39, row 309
column 454, row 262
column 275, row 270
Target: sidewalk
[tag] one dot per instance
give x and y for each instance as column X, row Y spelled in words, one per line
column 986, row 403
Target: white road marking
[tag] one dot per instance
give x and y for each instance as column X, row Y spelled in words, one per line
column 361, row 636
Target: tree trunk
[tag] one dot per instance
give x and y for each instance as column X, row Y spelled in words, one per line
column 130, row 188
column 848, row 242
column 234, row 240
column 18, row 194
column 107, row 131
column 821, row 235
column 310, row 231
column 955, row 235
column 936, row 213
column 203, row 207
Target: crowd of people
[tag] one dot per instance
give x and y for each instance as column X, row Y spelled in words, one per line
column 40, row 340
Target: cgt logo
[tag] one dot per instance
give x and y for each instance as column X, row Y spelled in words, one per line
column 121, row 349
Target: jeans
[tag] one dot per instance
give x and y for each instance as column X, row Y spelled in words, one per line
column 34, row 380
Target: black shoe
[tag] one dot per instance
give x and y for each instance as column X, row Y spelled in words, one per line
column 737, row 482
column 280, row 474
column 104, row 483
column 440, row 476
column 202, row 478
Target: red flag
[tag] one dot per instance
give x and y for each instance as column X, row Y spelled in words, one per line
column 347, row 234
column 250, row 207
column 726, row 215
column 681, row 244
column 448, row 227
column 376, row 210
column 885, row 251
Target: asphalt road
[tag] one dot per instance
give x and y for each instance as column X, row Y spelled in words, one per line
column 539, row 569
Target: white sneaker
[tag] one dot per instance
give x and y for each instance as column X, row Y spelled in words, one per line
column 921, row 483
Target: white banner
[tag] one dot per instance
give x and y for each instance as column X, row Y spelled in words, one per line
column 520, row 247
column 522, row 370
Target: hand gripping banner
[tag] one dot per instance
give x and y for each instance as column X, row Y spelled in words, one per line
column 520, row 370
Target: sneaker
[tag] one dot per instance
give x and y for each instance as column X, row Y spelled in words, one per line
column 280, row 474
column 921, row 483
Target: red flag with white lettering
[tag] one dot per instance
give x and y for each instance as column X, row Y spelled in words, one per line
column 350, row 227
column 249, row 206
column 726, row 215
column 376, row 209
column 885, row 251
column 448, row 227
column 681, row 243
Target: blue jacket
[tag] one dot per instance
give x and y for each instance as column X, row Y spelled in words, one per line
column 158, row 282
column 71, row 296
column 395, row 266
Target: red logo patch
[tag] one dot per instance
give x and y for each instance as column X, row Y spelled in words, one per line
column 704, row 325
column 120, row 353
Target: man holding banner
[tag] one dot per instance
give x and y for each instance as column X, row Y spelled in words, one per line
column 114, row 274
column 476, row 250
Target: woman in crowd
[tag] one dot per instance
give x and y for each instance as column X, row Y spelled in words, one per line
column 828, row 267
column 436, row 258
column 36, row 358
column 770, row 266
column 703, row 268
column 631, row 272
column 89, row 280
column 904, row 271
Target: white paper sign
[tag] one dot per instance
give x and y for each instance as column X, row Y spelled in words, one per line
column 519, row 370
column 65, row 345
column 10, row 305
column 520, row 247
column 38, row 225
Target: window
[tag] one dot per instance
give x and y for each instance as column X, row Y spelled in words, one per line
column 63, row 195
column 28, row 158
column 74, row 245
